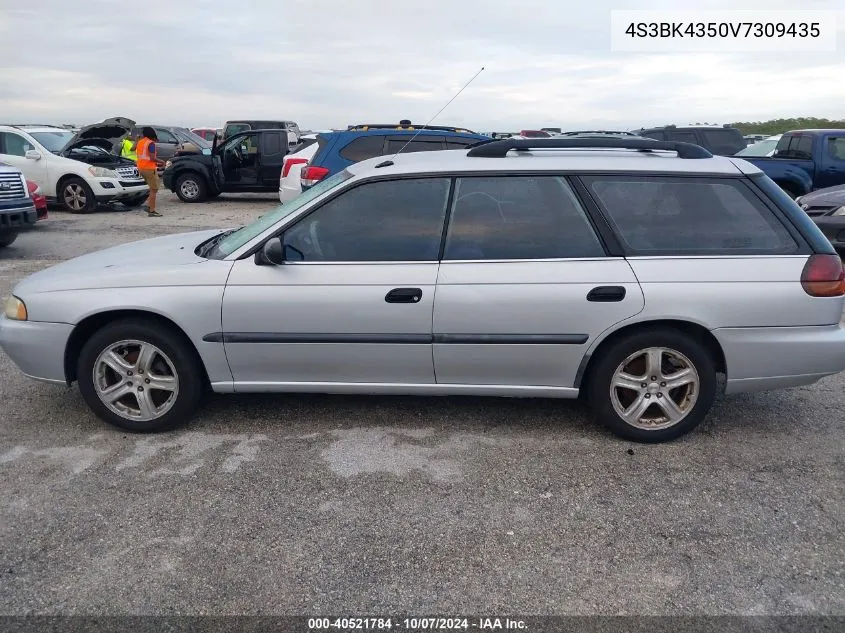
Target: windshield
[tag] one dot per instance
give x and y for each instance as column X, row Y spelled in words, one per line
column 763, row 148
column 52, row 141
column 246, row 233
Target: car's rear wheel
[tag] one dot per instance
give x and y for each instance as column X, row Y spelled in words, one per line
column 76, row 196
column 6, row 239
column 653, row 386
column 140, row 376
column 191, row 187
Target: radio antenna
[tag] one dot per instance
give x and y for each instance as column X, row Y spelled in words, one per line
column 401, row 149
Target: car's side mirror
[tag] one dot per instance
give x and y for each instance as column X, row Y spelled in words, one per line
column 33, row 154
column 271, row 254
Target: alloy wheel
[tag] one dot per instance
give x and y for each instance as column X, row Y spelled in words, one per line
column 654, row 388
column 136, row 380
column 75, row 197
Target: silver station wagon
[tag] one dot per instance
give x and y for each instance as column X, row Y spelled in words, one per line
column 631, row 271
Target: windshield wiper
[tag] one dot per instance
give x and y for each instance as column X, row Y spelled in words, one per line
column 211, row 243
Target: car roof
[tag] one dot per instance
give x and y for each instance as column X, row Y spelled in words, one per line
column 570, row 160
column 37, row 128
column 818, row 131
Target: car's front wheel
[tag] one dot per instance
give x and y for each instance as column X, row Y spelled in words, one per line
column 191, row 187
column 76, row 196
column 653, row 386
column 6, row 239
column 140, row 376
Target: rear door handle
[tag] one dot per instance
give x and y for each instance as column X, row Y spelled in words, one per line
column 404, row 295
column 606, row 294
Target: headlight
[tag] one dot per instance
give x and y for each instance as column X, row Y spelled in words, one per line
column 839, row 211
column 15, row 309
column 102, row 172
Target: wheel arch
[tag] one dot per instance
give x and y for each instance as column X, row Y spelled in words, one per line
column 695, row 330
column 93, row 322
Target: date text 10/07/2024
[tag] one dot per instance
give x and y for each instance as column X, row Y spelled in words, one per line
column 416, row 624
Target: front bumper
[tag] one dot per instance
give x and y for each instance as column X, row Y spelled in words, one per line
column 17, row 216
column 37, row 348
column 106, row 189
column 765, row 358
column 833, row 227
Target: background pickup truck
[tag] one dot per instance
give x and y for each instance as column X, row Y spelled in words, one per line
column 806, row 160
column 247, row 161
column 17, row 209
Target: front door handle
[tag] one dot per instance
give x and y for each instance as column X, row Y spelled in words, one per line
column 404, row 295
column 606, row 294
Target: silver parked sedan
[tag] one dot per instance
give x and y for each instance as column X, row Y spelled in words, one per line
column 632, row 271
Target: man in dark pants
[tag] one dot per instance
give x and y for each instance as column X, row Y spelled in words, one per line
column 148, row 163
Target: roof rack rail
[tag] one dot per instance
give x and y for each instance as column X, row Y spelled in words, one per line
column 500, row 148
column 598, row 132
column 363, row 127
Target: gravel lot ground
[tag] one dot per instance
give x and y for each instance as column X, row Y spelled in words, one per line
column 349, row 505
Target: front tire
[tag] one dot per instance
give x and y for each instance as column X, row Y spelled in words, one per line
column 653, row 386
column 191, row 187
column 6, row 239
column 76, row 196
column 140, row 376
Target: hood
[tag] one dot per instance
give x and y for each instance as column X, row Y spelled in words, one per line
column 159, row 261
column 829, row 197
column 108, row 134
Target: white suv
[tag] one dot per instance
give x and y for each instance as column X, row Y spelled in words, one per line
column 77, row 170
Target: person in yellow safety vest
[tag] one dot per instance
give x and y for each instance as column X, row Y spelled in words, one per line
column 127, row 150
column 148, row 164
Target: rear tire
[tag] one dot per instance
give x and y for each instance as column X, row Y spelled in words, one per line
column 6, row 239
column 191, row 187
column 76, row 196
column 140, row 376
column 656, row 412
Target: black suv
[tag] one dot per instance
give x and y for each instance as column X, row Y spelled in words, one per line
column 247, row 161
column 724, row 141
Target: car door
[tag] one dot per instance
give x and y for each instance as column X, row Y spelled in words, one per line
column 354, row 302
column 272, row 152
column 831, row 169
column 239, row 161
column 13, row 149
column 524, row 285
column 166, row 144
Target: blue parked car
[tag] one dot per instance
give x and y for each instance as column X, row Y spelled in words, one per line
column 337, row 150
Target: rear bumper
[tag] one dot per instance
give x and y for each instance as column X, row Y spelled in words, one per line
column 833, row 228
column 765, row 358
column 37, row 348
column 288, row 192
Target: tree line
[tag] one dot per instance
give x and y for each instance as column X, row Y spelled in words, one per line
column 779, row 126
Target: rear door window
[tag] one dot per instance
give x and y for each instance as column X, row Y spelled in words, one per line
column 836, row 147
column 726, row 142
column 363, row 147
column 684, row 137
column 272, row 143
column 657, row 215
column 518, row 217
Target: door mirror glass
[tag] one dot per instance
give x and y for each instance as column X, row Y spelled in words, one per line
column 33, row 154
column 271, row 254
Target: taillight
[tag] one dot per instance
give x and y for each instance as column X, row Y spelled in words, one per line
column 290, row 162
column 312, row 175
column 823, row 276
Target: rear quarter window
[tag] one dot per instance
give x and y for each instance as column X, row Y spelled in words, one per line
column 687, row 216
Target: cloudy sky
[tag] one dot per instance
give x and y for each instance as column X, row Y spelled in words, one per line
column 329, row 63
